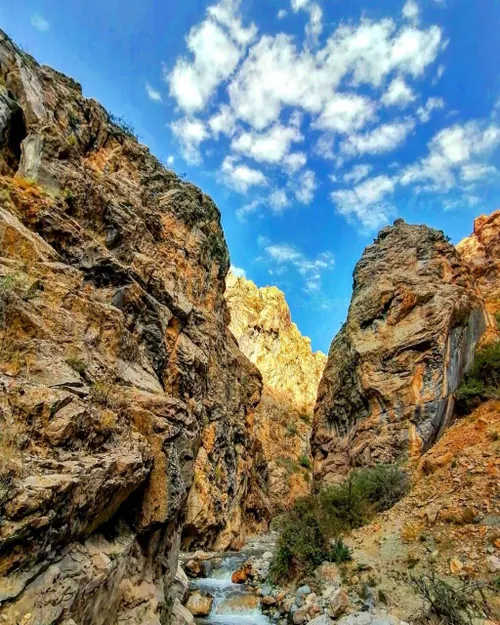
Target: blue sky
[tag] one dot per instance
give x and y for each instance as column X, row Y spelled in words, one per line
column 312, row 123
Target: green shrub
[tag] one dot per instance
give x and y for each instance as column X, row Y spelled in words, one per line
column 482, row 382
column 306, row 418
column 304, row 461
column 340, row 552
column 302, row 544
column 77, row 364
column 291, row 430
column 306, row 530
column 458, row 604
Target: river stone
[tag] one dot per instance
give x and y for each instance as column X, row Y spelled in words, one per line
column 328, row 573
column 323, row 619
column 338, row 603
column 180, row 585
column 181, row 615
column 300, row 615
column 199, row 604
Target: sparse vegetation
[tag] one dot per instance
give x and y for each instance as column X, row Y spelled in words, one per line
column 304, row 461
column 77, row 364
column 291, row 430
column 450, row 604
column 306, row 418
column 124, row 125
column 307, row 529
column 482, row 382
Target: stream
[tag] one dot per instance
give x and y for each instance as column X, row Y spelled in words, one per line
column 233, row 603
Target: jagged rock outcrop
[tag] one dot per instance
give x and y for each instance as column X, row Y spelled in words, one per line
column 414, row 320
column 481, row 253
column 114, row 358
column 262, row 325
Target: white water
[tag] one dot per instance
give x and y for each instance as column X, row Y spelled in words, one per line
column 234, row 604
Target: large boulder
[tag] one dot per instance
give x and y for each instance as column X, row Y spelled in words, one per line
column 414, row 320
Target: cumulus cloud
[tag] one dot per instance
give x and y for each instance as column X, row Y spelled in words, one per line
column 241, row 177
column 190, row 133
column 311, row 269
column 411, row 10
column 345, row 113
column 153, row 94
column 269, row 147
column 382, row 139
column 424, row 112
column 282, row 13
column 305, row 187
column 216, row 46
column 222, row 122
column 238, row 271
column 278, row 200
column 456, row 155
column 40, row 23
column 357, row 173
column 398, row 94
column 170, row 160
column 366, row 202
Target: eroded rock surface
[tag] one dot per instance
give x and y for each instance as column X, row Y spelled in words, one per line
column 481, row 252
column 414, row 320
column 262, row 325
column 114, row 359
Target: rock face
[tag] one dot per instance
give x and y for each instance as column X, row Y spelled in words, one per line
column 481, row 253
column 261, row 323
column 413, row 323
column 115, row 357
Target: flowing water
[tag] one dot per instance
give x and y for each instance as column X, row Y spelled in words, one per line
column 234, row 604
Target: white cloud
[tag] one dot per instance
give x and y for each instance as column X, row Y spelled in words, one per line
column 248, row 209
column 170, row 160
column 40, row 23
column 382, row 139
column 241, row 177
column 311, row 269
column 275, row 74
column 190, row 133
column 282, row 13
column 398, row 94
column 324, row 146
column 424, row 112
column 269, row 147
column 222, row 122
column 411, row 10
column 278, row 200
column 226, row 13
column 345, row 113
column 216, row 45
column 456, row 155
column 366, row 202
column 476, row 171
column 357, row 173
column 305, row 187
column 238, row 271
column 294, row 161
column 153, row 94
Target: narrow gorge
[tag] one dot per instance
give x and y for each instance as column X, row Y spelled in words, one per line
column 160, row 415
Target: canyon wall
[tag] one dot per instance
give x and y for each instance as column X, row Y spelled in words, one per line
column 414, row 320
column 481, row 253
column 262, row 325
column 115, row 360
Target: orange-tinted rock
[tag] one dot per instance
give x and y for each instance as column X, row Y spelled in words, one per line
column 481, row 252
column 414, row 320
column 241, row 575
column 114, row 356
column 262, row 325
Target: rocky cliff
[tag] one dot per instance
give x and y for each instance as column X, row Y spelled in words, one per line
column 481, row 253
column 262, row 325
column 413, row 323
column 115, row 357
